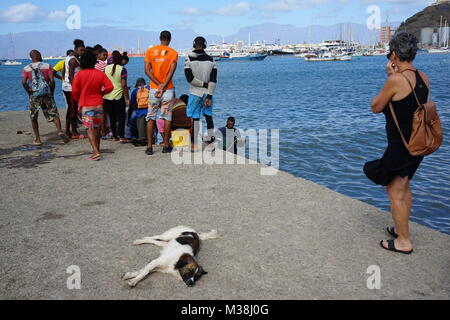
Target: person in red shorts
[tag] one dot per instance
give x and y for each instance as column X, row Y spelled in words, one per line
column 88, row 89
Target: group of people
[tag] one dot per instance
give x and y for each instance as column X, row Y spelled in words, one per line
column 96, row 91
column 94, row 83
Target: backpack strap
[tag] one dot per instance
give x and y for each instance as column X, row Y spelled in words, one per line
column 398, row 125
column 417, row 100
column 412, row 88
column 394, row 115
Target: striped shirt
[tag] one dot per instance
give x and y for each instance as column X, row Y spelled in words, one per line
column 100, row 66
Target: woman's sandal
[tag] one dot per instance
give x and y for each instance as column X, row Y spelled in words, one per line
column 96, row 158
column 391, row 247
column 392, row 232
column 79, row 137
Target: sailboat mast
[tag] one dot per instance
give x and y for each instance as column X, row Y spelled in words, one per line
column 446, row 33
column 12, row 46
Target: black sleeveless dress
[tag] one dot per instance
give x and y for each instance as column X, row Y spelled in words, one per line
column 397, row 162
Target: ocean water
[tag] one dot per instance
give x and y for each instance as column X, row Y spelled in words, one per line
column 323, row 111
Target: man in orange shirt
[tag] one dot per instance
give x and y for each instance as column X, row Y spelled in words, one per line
column 160, row 65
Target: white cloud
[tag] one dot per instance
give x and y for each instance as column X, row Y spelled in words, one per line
column 290, row 5
column 237, row 9
column 190, row 11
column 57, row 15
column 28, row 12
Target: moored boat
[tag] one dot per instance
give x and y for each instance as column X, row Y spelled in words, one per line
column 241, row 57
column 10, row 63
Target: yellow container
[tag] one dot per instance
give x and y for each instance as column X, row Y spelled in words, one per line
column 181, row 138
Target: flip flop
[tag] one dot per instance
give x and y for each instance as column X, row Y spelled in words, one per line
column 97, row 158
column 391, row 247
column 392, row 232
column 37, row 144
column 80, row 137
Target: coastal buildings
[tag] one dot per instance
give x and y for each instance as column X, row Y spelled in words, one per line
column 385, row 35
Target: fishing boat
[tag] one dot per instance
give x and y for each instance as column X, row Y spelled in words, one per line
column 10, row 63
column 282, row 52
column 241, row 56
column 326, row 56
column 344, row 57
column 439, row 50
column 54, row 58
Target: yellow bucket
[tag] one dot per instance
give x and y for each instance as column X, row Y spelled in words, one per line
column 181, row 138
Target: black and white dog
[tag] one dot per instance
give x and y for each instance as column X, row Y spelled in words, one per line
column 180, row 246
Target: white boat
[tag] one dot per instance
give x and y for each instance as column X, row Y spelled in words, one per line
column 11, row 63
column 318, row 58
column 327, row 56
column 241, row 56
column 441, row 50
column 54, row 58
column 344, row 58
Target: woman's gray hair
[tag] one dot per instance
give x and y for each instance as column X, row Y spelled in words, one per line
column 404, row 44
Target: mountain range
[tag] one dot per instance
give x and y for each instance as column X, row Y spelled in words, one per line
column 52, row 43
column 429, row 17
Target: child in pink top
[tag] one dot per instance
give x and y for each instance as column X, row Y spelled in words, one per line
column 88, row 88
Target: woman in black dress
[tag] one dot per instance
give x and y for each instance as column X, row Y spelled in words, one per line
column 397, row 167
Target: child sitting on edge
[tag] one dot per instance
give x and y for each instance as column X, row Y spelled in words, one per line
column 137, row 112
column 88, row 88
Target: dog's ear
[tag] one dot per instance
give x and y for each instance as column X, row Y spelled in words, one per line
column 180, row 264
column 201, row 271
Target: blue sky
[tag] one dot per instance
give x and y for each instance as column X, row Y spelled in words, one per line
column 203, row 16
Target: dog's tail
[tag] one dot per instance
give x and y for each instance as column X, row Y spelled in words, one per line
column 209, row 236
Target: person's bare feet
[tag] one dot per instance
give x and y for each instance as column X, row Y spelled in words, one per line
column 37, row 143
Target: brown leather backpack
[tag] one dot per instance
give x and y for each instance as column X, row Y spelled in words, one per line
column 426, row 135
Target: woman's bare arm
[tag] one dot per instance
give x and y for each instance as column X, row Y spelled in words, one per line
column 73, row 64
column 385, row 96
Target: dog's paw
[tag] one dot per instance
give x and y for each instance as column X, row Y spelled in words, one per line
column 128, row 276
column 138, row 242
column 132, row 283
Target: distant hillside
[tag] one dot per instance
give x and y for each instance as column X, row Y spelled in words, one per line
column 429, row 17
column 52, row 43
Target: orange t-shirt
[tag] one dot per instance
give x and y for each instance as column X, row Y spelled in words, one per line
column 161, row 59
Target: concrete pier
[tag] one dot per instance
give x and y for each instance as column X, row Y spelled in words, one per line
column 281, row 237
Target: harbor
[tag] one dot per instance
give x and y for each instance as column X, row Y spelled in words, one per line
column 297, row 214
column 286, row 239
column 309, row 148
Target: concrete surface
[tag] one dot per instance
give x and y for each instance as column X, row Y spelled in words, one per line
column 281, row 237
